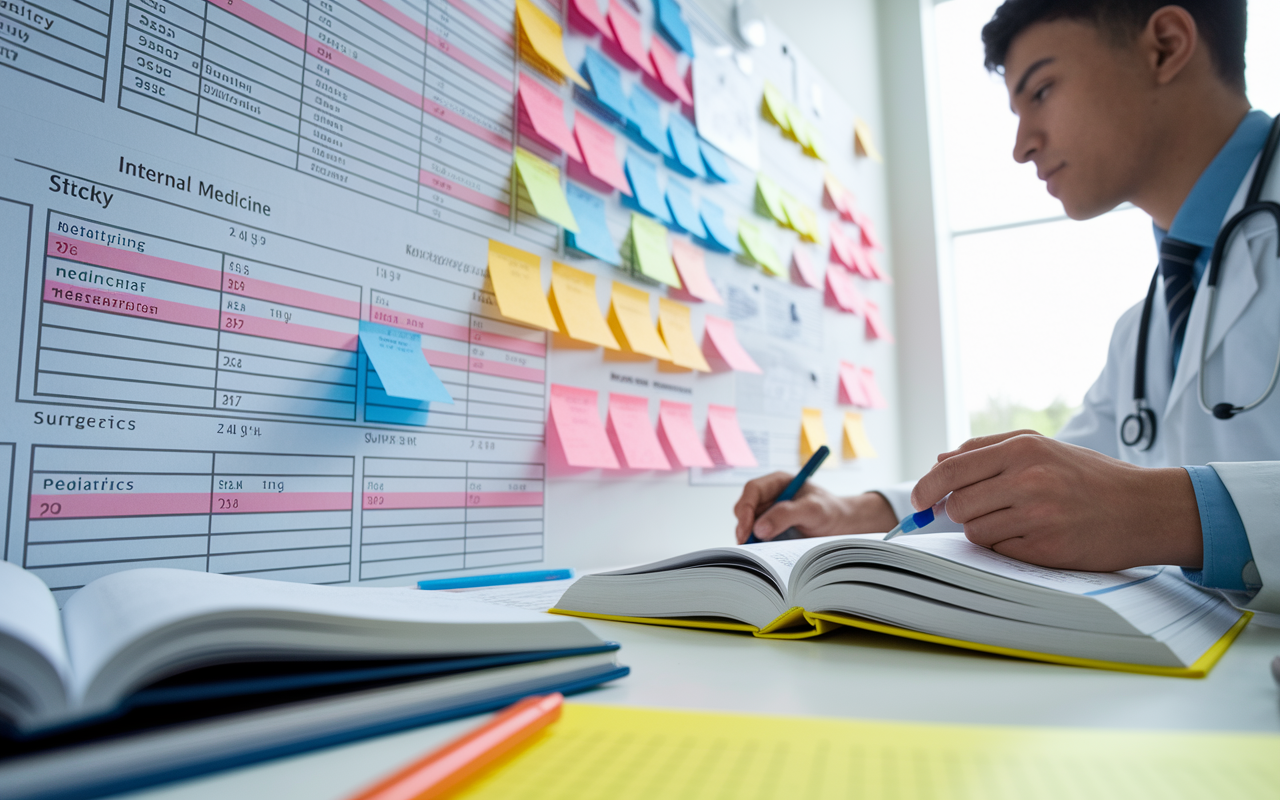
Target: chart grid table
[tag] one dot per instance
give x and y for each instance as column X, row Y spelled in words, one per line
column 64, row 43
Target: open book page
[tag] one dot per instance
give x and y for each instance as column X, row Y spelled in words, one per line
column 33, row 653
column 539, row 596
column 771, row 560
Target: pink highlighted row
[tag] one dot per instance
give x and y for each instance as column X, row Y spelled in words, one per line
column 399, row 500
column 150, row 504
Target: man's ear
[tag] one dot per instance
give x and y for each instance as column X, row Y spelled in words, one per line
column 1169, row 42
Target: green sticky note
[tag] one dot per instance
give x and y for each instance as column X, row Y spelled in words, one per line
column 769, row 198
column 649, row 245
column 542, row 181
column 759, row 249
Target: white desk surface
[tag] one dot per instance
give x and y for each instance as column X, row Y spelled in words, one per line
column 849, row 674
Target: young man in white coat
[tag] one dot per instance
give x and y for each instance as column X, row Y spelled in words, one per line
column 1142, row 102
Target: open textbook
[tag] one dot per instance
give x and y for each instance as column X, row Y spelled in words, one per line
column 940, row 588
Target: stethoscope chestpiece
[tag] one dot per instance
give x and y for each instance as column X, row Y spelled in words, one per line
column 1225, row 411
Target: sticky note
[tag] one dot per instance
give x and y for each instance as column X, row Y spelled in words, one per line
column 646, row 195
column 718, row 233
column 667, row 65
column 758, row 249
column 841, row 247
column 867, row 230
column 631, row 324
column 585, row 16
column 644, row 122
column 598, row 152
column 717, row 167
column 876, row 327
column 592, row 237
column 606, row 85
column 626, row 32
column 856, row 443
column 799, row 127
column 817, row 146
column 650, row 254
column 632, row 435
column 864, row 143
column 517, row 283
column 573, row 302
column 541, row 180
column 679, row 437
column 802, row 270
column 683, row 214
column 725, row 442
column 838, row 197
column 774, row 107
column 691, row 263
column 871, row 388
column 396, row 356
column 542, row 117
column 676, row 329
column 542, row 43
column 769, row 199
column 862, row 263
column 684, row 142
column 574, row 430
column 671, row 24
column 840, row 292
column 851, row 392
column 723, row 350
column 792, row 215
column 813, row 434
column 812, row 231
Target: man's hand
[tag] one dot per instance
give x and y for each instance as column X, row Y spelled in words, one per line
column 813, row 512
column 1039, row 500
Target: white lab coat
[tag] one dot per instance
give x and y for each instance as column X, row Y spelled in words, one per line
column 1245, row 450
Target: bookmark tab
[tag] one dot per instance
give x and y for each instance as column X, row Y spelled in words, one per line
column 876, row 327
column 574, row 304
column 872, row 389
column 864, row 143
column 684, row 142
column 769, row 199
column 542, row 43
column 646, row 195
column 802, row 270
column 813, row 433
column 517, row 284
column 725, row 442
column 851, row 391
column 856, row 443
column 719, row 235
column 685, row 216
column 691, row 263
column 599, row 153
column 541, row 180
column 585, row 16
column 606, row 85
column 593, row 237
column 644, row 123
column 574, row 430
column 679, row 436
column 650, row 255
column 717, row 167
column 671, row 24
column 632, row 435
column 758, row 249
column 396, row 356
column 667, row 66
column 626, row 32
column 676, row 329
column 631, row 324
column 723, row 350
column 542, row 117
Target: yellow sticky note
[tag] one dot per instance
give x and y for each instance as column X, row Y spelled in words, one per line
column 541, row 180
column 630, row 322
column 573, row 302
column 812, row 230
column 799, row 126
column 774, row 107
column 813, row 434
column 649, row 248
column 769, row 198
column 759, row 249
column 856, row 443
column 864, row 144
column 517, row 283
column 817, row 146
column 542, row 43
column 792, row 210
column 677, row 332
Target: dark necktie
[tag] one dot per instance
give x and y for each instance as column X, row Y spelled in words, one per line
column 1178, row 268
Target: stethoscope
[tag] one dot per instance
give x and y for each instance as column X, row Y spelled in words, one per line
column 1139, row 428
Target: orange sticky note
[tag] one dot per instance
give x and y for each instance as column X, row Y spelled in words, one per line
column 599, row 153
column 691, row 263
column 679, row 436
column 574, row 431
column 666, row 64
column 875, row 398
column 542, row 43
column 631, row 324
column 632, row 434
column 725, row 442
column 517, row 283
column 573, row 302
column 802, row 271
column 813, row 433
column 856, row 443
column 851, row 391
column 542, row 117
column 723, row 350
column 876, row 327
column 676, row 330
column 626, row 32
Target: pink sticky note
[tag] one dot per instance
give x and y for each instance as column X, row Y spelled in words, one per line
column 574, row 431
column 692, row 265
column 665, row 62
column 872, row 389
column 723, row 350
column 841, row 293
column 852, row 392
column 841, row 247
column 626, row 32
column 868, row 231
column 862, row 263
column 876, row 327
column 599, row 153
column 679, row 437
column 585, row 16
column 725, row 442
column 840, row 199
column 874, row 266
column 802, row 269
column 542, row 117
column 632, row 435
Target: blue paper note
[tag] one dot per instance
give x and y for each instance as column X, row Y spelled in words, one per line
column 593, row 236
column 396, row 356
column 646, row 195
column 680, row 201
column 684, row 141
column 717, row 168
column 644, row 123
column 718, row 233
column 672, row 25
column 606, row 82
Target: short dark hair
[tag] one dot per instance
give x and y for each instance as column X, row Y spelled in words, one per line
column 1222, row 25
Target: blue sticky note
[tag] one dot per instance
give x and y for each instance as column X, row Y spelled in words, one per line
column 718, row 234
column 644, row 123
column 646, row 195
column 680, row 201
column 717, row 167
column 684, row 141
column 672, row 25
column 592, row 237
column 607, row 95
column 396, row 356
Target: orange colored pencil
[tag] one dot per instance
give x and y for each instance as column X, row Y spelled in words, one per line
column 448, row 768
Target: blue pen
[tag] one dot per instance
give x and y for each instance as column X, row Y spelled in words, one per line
column 789, row 493
column 912, row 523
column 501, row 579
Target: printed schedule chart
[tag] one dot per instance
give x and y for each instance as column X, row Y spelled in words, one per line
column 64, row 43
